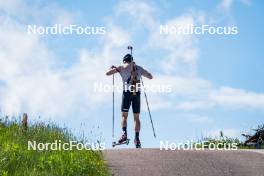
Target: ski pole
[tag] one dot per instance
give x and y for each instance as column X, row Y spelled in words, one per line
column 150, row 117
column 113, row 120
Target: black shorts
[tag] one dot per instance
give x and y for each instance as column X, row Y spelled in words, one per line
column 129, row 98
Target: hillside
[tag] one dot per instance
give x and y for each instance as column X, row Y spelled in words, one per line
column 16, row 159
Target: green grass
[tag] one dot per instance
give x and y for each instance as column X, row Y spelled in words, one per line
column 225, row 140
column 17, row 160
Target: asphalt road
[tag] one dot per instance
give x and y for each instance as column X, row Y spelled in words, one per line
column 154, row 162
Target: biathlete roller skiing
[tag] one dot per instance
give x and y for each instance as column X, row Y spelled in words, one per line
column 132, row 83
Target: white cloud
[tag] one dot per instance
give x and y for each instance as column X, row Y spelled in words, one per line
column 180, row 61
column 31, row 82
column 36, row 13
column 181, row 88
column 32, row 79
column 226, row 5
column 180, row 47
column 237, row 97
column 181, row 52
column 246, row 2
column 116, row 36
column 197, row 118
column 12, row 7
column 180, row 85
column 194, row 105
column 27, row 73
column 141, row 12
column 223, row 97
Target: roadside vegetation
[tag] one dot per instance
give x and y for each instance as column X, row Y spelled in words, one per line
column 17, row 160
column 226, row 141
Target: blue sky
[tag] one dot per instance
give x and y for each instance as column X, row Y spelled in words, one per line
column 216, row 79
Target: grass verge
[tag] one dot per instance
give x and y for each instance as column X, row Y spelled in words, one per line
column 17, row 160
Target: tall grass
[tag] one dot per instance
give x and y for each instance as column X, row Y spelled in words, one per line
column 225, row 140
column 17, row 160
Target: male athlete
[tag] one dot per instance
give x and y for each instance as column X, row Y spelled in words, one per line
column 131, row 75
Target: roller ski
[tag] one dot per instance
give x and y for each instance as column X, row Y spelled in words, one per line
column 121, row 141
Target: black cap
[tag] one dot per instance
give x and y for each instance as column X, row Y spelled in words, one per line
column 128, row 58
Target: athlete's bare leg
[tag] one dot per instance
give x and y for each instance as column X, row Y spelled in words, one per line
column 124, row 119
column 137, row 122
